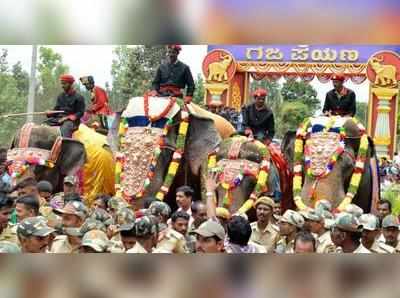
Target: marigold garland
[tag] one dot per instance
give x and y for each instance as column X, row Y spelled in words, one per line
column 262, row 178
column 302, row 133
column 17, row 168
column 176, row 157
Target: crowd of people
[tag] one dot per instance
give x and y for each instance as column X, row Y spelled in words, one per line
column 34, row 219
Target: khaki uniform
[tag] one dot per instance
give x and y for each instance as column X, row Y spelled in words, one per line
column 116, row 245
column 10, row 234
column 137, row 249
column 61, row 245
column 382, row 248
column 325, row 244
column 171, row 241
column 282, row 247
column 361, row 249
column 266, row 238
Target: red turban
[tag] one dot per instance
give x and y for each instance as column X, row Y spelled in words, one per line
column 67, row 78
column 175, row 47
column 338, row 77
column 260, row 92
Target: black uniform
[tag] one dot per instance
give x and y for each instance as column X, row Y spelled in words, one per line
column 73, row 105
column 177, row 75
column 340, row 105
column 261, row 122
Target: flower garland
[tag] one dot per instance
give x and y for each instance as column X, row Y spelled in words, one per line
column 303, row 131
column 17, row 168
column 176, row 157
column 163, row 114
column 262, row 178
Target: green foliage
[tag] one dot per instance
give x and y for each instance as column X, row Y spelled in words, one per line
column 198, row 96
column 392, row 194
column 50, row 67
column 13, row 97
column 362, row 112
column 291, row 103
column 133, row 70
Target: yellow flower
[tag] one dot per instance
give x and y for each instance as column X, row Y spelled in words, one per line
column 183, row 128
column 364, row 142
column 297, row 181
column 299, row 203
column 346, row 201
column 298, row 146
column 356, row 179
column 160, row 196
column 212, row 162
column 246, row 206
column 262, row 178
column 173, row 168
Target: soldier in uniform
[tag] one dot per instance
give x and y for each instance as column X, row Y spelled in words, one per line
column 369, row 239
column 7, row 247
column 73, row 106
column 263, row 232
column 73, row 216
column 258, row 119
column 33, row 234
column 27, row 206
column 124, row 216
column 354, row 210
column 173, row 76
column 340, row 100
column 7, row 231
column 94, row 241
column 99, row 101
column 70, row 186
column 324, row 240
column 128, row 236
column 169, row 239
column 390, row 231
column 289, row 224
column 346, row 234
column 146, row 231
column 210, row 237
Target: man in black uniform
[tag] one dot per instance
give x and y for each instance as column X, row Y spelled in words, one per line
column 340, row 100
column 73, row 105
column 258, row 119
column 173, row 76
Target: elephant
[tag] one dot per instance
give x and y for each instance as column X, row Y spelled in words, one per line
column 86, row 154
column 71, row 157
column 334, row 186
column 249, row 153
column 202, row 138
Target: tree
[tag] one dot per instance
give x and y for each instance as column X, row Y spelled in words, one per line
column 293, row 90
column 292, row 116
column 133, row 70
column 50, row 68
column 198, row 96
column 362, row 112
column 13, row 98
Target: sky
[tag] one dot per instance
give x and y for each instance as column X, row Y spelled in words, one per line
column 96, row 60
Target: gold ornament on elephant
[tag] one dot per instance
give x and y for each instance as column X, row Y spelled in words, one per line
column 139, row 146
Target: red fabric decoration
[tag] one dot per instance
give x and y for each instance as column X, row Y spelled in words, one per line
column 260, row 92
column 338, row 77
column 175, row 47
column 67, row 78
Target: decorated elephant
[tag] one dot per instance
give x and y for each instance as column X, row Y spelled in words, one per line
column 40, row 150
column 248, row 168
column 163, row 144
column 337, row 162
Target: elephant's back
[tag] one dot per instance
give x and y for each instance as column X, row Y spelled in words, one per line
column 36, row 136
column 248, row 150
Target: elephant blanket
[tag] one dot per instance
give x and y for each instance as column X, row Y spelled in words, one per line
column 97, row 175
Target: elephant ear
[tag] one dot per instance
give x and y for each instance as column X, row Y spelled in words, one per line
column 72, row 156
column 203, row 138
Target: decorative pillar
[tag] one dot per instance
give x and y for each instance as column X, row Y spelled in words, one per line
column 219, row 68
column 383, row 71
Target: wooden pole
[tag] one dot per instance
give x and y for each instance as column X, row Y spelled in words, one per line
column 32, row 86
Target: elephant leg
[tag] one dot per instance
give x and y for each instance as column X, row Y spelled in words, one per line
column 67, row 128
